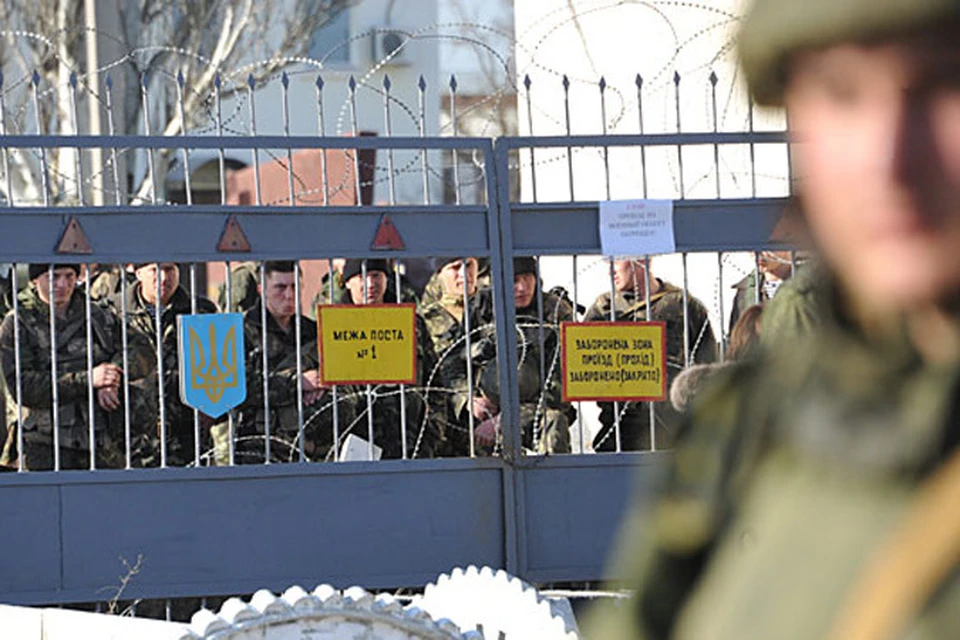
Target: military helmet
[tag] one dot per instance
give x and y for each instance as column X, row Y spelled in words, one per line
column 774, row 30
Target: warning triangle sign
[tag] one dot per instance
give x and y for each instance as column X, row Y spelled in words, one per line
column 233, row 239
column 73, row 240
column 387, row 238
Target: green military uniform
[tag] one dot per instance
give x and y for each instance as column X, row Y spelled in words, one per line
column 448, row 334
column 105, row 283
column 795, row 310
column 426, row 409
column 142, row 362
column 792, row 471
column 243, row 288
column 544, row 417
column 796, row 469
column 666, row 305
column 282, row 384
column 72, row 384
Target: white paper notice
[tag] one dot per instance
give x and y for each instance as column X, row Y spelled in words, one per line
column 636, row 228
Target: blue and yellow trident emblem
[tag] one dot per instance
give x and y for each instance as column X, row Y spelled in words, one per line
column 212, row 371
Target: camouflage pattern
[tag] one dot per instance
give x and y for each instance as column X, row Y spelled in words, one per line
column 665, row 306
column 282, row 383
column 426, row 409
column 544, row 418
column 448, row 335
column 243, row 288
column 72, row 384
column 819, row 446
column 142, row 362
column 105, row 282
column 795, row 310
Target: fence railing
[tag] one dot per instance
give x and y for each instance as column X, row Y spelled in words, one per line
column 93, row 388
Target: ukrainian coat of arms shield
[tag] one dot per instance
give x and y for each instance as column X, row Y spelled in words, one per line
column 212, row 369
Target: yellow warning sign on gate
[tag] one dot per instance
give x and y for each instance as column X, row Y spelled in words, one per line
column 361, row 344
column 614, row 361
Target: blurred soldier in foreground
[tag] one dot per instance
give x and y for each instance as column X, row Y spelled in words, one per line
column 142, row 340
column 425, row 410
column 666, row 305
column 279, row 290
column 815, row 492
column 73, row 383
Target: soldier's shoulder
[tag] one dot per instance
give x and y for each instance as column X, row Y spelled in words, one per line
column 206, row 305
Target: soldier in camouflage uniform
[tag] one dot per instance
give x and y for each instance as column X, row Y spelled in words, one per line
column 426, row 409
column 73, row 383
column 142, row 360
column 813, row 492
column 243, row 288
column 544, row 417
column 445, row 321
column 105, row 281
column 666, row 305
column 317, row 410
column 408, row 294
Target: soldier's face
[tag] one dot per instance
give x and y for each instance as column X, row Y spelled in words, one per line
column 628, row 276
column 451, row 277
column 281, row 295
column 878, row 156
column 169, row 281
column 524, row 288
column 64, row 282
column 376, row 288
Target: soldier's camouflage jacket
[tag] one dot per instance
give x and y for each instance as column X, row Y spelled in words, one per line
column 665, row 306
column 142, row 367
column 243, row 288
column 544, row 418
column 790, row 472
column 449, row 337
column 105, row 283
column 282, row 384
column 72, row 379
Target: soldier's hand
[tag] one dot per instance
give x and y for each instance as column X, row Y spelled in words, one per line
column 108, row 398
column 484, row 408
column 106, row 374
column 312, row 396
column 486, row 432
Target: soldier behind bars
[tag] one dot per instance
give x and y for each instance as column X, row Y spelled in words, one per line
column 72, row 380
column 666, row 305
column 445, row 319
column 142, row 360
column 544, row 418
column 425, row 408
column 279, row 291
column 815, row 491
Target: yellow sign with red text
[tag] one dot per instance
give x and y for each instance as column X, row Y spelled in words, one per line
column 614, row 361
column 367, row 344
